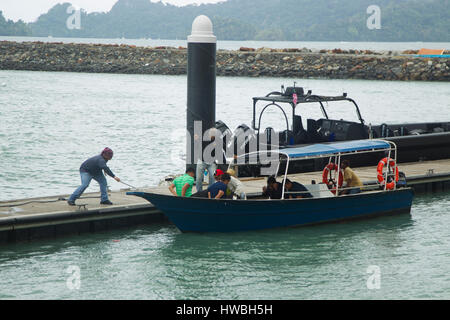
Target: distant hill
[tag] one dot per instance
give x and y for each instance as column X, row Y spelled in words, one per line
column 11, row 28
column 295, row 20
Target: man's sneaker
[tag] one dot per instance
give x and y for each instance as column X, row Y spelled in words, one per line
column 71, row 203
column 106, row 202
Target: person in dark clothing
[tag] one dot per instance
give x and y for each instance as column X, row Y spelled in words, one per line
column 274, row 189
column 92, row 169
column 219, row 189
column 295, row 186
column 204, row 193
column 200, row 194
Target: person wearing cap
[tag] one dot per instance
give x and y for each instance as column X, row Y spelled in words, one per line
column 217, row 174
column 92, row 169
column 235, row 186
column 219, row 189
column 204, row 193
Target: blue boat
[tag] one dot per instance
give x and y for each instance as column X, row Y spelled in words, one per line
column 257, row 213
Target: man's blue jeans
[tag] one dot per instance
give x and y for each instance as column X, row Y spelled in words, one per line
column 200, row 174
column 85, row 181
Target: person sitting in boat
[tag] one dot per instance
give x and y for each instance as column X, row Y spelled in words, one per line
column 204, row 193
column 352, row 183
column 219, row 189
column 274, row 189
column 182, row 186
column 296, row 187
column 235, row 186
column 218, row 174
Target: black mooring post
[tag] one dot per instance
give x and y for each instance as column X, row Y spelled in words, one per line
column 201, row 81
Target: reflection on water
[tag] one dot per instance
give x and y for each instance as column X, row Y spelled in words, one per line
column 239, row 264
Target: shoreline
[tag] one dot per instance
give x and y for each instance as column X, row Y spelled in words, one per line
column 247, row 62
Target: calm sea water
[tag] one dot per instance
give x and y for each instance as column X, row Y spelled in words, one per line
column 335, row 261
column 51, row 122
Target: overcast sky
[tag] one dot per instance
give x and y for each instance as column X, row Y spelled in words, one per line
column 30, row 10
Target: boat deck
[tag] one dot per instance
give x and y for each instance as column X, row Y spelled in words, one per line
column 49, row 212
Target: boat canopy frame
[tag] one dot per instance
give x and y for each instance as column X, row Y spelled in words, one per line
column 276, row 98
column 343, row 148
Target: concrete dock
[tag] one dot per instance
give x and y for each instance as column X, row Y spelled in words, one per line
column 28, row 219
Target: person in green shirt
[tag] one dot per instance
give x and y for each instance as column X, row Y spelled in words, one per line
column 183, row 184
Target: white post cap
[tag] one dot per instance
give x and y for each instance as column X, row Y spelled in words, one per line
column 202, row 31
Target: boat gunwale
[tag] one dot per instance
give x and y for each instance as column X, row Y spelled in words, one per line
column 368, row 192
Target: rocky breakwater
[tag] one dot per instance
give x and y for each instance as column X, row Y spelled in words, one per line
column 97, row 58
column 293, row 63
column 334, row 64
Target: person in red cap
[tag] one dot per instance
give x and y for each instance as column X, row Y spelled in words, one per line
column 204, row 193
column 219, row 189
column 217, row 174
column 92, row 169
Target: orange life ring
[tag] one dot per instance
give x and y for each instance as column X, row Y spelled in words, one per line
column 326, row 176
column 380, row 175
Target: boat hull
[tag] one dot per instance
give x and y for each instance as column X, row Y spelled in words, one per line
column 207, row 215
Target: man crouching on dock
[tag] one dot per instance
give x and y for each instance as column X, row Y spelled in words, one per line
column 92, row 169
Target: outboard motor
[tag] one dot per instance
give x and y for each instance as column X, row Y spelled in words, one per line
column 225, row 135
column 241, row 140
column 224, row 130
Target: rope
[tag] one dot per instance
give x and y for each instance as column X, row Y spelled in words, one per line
column 127, row 184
